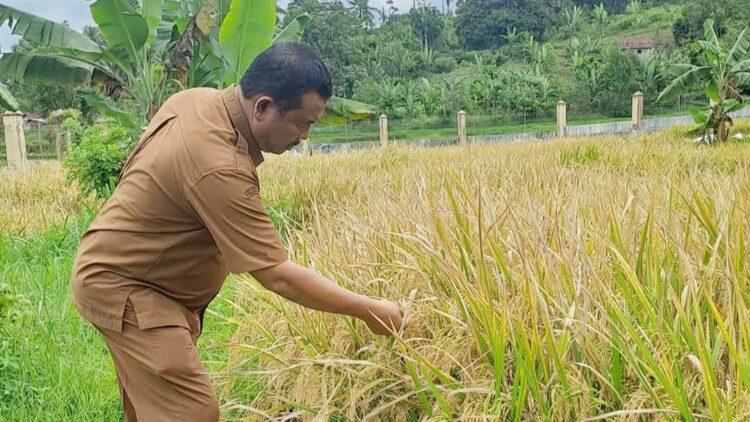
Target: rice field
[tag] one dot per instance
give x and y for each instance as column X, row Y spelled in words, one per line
column 36, row 200
column 584, row 279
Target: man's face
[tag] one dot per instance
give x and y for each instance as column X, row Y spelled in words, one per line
column 276, row 132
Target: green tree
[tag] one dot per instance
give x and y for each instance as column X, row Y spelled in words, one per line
column 68, row 57
column 95, row 35
column 336, row 35
column 728, row 16
column 427, row 24
column 449, row 37
column 394, row 50
column 40, row 97
column 604, row 80
column 363, row 11
column 721, row 73
column 398, row 61
column 392, row 9
column 523, row 91
column 132, row 64
column 613, row 6
column 96, row 159
column 541, row 58
column 480, row 24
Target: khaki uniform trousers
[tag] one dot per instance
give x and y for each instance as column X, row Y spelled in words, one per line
column 159, row 372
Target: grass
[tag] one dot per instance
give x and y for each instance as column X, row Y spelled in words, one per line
column 582, row 279
column 34, row 201
column 56, row 366
column 575, row 280
column 654, row 23
column 53, row 364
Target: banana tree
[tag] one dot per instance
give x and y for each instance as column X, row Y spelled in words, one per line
column 721, row 74
column 126, row 68
column 191, row 29
column 7, row 100
column 213, row 42
column 249, row 28
column 141, row 40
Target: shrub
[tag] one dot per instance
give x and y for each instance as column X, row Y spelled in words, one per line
column 96, row 157
column 443, row 64
column 604, row 82
column 72, row 127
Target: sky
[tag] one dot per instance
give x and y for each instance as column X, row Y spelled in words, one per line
column 76, row 12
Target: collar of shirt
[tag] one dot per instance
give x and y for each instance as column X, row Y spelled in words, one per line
column 239, row 121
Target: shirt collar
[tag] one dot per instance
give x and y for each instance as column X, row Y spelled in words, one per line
column 240, row 123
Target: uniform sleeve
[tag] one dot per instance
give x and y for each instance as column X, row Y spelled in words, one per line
column 228, row 203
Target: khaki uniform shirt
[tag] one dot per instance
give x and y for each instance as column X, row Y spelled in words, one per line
column 186, row 213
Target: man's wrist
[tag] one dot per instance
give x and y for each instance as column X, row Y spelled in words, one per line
column 362, row 307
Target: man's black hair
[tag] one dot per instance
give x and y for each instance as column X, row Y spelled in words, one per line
column 285, row 72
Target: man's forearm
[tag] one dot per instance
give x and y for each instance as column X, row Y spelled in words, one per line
column 311, row 290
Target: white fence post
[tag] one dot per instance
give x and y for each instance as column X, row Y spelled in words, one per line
column 462, row 128
column 562, row 119
column 383, row 130
column 637, row 112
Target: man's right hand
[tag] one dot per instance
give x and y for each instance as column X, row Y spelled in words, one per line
column 309, row 289
column 383, row 317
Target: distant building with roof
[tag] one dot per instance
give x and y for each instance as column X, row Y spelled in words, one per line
column 640, row 47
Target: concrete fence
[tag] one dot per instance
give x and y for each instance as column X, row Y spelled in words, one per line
column 15, row 141
column 635, row 125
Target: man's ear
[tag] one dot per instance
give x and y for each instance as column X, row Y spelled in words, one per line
column 262, row 105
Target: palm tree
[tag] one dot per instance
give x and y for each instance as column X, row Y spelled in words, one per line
column 363, row 11
column 721, row 73
column 392, row 9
